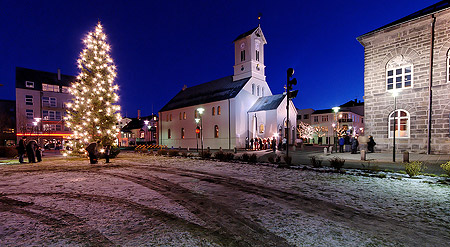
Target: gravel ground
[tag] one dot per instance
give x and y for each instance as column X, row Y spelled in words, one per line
column 158, row 201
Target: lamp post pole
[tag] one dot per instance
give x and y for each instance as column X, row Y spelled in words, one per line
column 146, row 131
column 200, row 111
column 336, row 126
column 197, row 120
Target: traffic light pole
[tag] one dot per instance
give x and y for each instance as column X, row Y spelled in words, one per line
column 287, row 119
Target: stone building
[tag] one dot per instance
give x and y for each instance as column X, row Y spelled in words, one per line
column 236, row 108
column 410, row 56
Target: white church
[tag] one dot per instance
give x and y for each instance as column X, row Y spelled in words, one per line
column 230, row 110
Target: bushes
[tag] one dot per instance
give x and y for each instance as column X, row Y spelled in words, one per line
column 222, row 156
column 414, row 168
column 8, row 152
column 287, row 160
column 205, row 154
column 162, row 152
column 315, row 162
column 245, row 157
column 253, row 158
column 337, row 163
column 446, row 167
column 173, row 153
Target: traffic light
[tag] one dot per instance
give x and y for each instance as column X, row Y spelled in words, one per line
column 290, row 83
column 197, row 130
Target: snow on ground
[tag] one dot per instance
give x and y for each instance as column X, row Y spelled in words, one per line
column 147, row 200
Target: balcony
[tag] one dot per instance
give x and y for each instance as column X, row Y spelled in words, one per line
column 345, row 120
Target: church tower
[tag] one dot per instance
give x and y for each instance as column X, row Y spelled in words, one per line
column 249, row 55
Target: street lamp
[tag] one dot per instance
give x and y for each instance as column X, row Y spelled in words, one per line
column 395, row 93
column 197, row 131
column 36, row 122
column 200, row 112
column 146, row 130
column 336, row 124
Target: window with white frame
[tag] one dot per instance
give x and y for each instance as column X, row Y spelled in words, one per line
column 49, row 101
column 29, row 113
column 51, row 115
column 64, row 89
column 401, row 124
column 50, row 88
column 325, row 118
column 316, row 119
column 29, row 84
column 28, row 99
column 399, row 73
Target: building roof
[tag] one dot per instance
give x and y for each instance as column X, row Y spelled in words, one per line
column 426, row 11
column 137, row 123
column 352, row 103
column 267, row 103
column 245, row 34
column 39, row 77
column 220, row 89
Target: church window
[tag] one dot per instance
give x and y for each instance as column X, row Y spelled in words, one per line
column 261, row 128
column 401, row 124
column 184, row 115
column 170, row 117
column 182, row 133
column 213, row 111
column 216, row 131
column 399, row 73
column 242, row 55
column 257, row 56
column 168, row 134
column 218, row 110
column 253, row 89
column 257, row 90
column 257, row 44
column 180, row 115
column 262, row 91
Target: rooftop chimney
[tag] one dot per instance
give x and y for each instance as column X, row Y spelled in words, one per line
column 59, row 74
column 139, row 114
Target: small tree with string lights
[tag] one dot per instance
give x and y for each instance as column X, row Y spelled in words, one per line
column 93, row 113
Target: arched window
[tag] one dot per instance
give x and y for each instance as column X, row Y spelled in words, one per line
column 180, row 115
column 399, row 73
column 253, row 89
column 213, row 111
column 218, row 110
column 401, row 124
column 216, row 131
column 195, row 114
column 182, row 133
column 169, row 135
column 184, row 115
column 261, row 128
column 257, row 90
column 262, row 91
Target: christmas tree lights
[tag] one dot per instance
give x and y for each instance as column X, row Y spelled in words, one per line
column 94, row 112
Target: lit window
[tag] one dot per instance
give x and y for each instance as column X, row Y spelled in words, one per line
column 213, row 111
column 49, row 101
column 64, row 89
column 261, row 128
column 401, row 124
column 184, row 115
column 169, row 134
column 28, row 99
column 180, row 115
column 29, row 113
column 195, row 114
column 182, row 133
column 242, row 55
column 399, row 73
column 29, row 84
column 218, row 110
column 216, row 131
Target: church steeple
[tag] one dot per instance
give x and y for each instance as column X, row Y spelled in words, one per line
column 249, row 55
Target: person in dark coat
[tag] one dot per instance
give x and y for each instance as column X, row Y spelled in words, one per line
column 31, row 151
column 92, row 152
column 251, row 144
column 274, row 144
column 371, row 144
column 21, row 149
column 341, row 144
column 355, row 145
column 38, row 153
column 107, row 153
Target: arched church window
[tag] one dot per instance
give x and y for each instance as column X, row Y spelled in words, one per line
column 401, row 124
column 169, row 135
column 399, row 73
column 213, row 111
column 262, row 91
column 261, row 128
column 218, row 110
column 257, row 44
column 253, row 88
column 257, row 90
column 216, row 131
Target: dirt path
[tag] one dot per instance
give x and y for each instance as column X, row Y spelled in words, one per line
column 173, row 202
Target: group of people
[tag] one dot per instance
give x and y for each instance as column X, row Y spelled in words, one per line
column 93, row 152
column 263, row 144
column 31, row 148
column 356, row 142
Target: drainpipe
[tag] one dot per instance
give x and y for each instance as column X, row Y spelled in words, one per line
column 229, row 125
column 430, row 85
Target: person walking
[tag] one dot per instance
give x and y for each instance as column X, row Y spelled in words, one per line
column 92, row 151
column 251, row 144
column 274, row 144
column 107, row 153
column 31, row 151
column 38, row 152
column 354, row 143
column 371, row 144
column 21, row 149
column 341, row 144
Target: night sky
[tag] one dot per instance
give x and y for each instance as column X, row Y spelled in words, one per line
column 158, row 46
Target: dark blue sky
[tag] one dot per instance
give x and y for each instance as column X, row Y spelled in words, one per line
column 158, row 46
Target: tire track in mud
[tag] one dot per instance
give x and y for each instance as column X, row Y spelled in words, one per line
column 62, row 223
column 196, row 230
column 220, row 218
column 355, row 218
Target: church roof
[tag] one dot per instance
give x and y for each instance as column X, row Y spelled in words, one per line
column 426, row 11
column 267, row 103
column 245, row 34
column 220, row 89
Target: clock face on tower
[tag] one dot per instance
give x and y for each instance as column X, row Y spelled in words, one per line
column 257, row 45
column 242, row 45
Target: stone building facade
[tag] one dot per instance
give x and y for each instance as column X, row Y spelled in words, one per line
column 410, row 56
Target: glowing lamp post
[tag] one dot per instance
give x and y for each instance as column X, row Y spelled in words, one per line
column 146, row 131
column 200, row 112
column 335, row 125
column 197, row 131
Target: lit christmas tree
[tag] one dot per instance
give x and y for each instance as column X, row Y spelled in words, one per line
column 93, row 113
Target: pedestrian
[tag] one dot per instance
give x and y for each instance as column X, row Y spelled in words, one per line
column 355, row 144
column 251, row 144
column 341, row 144
column 31, row 151
column 246, row 143
column 371, row 144
column 92, row 151
column 274, row 144
column 21, row 149
column 38, row 152
column 107, row 153
column 284, row 143
column 260, row 144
